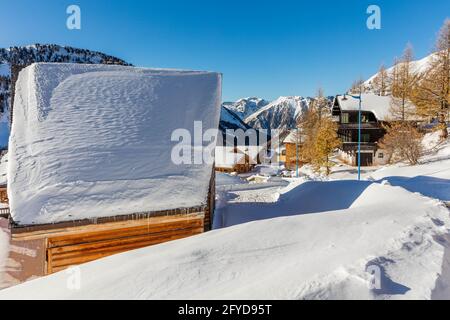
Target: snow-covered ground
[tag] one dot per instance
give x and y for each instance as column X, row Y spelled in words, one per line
column 321, row 255
column 306, row 238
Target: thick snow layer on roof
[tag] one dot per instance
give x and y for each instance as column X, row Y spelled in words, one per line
column 294, row 136
column 91, row 141
column 379, row 105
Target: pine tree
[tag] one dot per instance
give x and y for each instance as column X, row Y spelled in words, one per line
column 432, row 94
column 402, row 85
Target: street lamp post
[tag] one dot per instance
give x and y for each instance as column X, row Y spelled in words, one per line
column 359, row 133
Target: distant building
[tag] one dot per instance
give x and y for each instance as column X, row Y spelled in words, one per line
column 233, row 159
column 240, row 150
column 292, row 149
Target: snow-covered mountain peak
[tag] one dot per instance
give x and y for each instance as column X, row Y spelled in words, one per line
column 281, row 113
column 246, row 106
column 417, row 67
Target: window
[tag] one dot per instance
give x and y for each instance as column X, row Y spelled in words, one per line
column 344, row 118
column 381, row 155
column 365, row 137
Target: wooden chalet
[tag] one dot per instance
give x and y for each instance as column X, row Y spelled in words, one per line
column 292, row 150
column 375, row 111
column 242, row 153
column 145, row 199
column 232, row 159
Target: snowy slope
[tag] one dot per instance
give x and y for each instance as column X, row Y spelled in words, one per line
column 246, row 106
column 310, row 256
column 418, row 66
column 230, row 120
column 92, row 140
column 431, row 177
column 279, row 114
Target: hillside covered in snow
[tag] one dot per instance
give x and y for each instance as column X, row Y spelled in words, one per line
column 417, row 67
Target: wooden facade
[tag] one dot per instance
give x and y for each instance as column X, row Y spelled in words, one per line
column 292, row 157
column 241, row 164
column 237, row 167
column 55, row 247
column 371, row 132
column 68, row 246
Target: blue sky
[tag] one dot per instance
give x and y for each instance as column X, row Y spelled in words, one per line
column 263, row 48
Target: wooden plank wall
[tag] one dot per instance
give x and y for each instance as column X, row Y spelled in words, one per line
column 67, row 250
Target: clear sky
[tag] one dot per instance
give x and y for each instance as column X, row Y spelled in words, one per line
column 263, row 48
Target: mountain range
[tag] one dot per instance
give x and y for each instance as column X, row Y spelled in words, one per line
column 284, row 112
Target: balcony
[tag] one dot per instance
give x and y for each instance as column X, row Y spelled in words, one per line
column 353, row 146
column 364, row 125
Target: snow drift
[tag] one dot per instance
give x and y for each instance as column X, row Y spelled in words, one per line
column 90, row 141
column 323, row 255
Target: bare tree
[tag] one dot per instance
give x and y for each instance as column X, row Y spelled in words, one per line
column 403, row 142
column 402, row 84
column 381, row 81
column 432, row 94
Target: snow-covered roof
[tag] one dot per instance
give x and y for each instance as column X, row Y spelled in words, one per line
column 91, row 141
column 292, row 137
column 228, row 157
column 379, row 105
